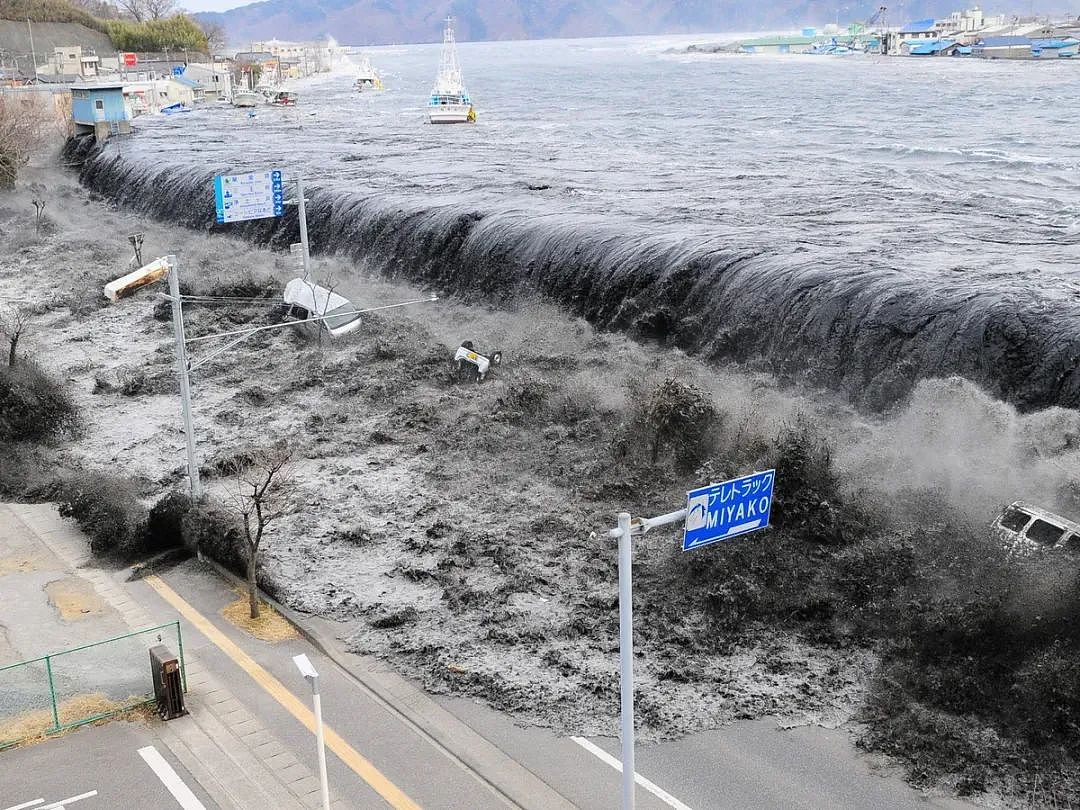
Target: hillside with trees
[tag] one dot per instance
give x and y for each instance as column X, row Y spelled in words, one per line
column 131, row 25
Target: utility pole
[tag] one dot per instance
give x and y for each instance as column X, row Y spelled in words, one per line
column 33, row 52
column 303, row 224
column 182, row 369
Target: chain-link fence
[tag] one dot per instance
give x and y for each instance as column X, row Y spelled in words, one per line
column 78, row 686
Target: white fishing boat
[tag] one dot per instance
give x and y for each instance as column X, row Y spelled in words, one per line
column 366, row 77
column 450, row 102
column 246, row 97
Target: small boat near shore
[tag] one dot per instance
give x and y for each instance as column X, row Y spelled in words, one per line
column 366, row 77
column 450, row 102
column 246, row 98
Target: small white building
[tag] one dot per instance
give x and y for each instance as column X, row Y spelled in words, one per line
column 216, row 81
column 71, row 60
column 171, row 91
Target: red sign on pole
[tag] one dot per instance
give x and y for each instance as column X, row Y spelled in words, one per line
column 130, row 59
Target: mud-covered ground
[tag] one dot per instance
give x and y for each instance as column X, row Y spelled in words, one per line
column 457, row 529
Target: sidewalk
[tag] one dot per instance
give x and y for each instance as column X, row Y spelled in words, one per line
column 239, row 763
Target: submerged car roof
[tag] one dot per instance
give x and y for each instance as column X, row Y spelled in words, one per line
column 320, row 301
column 1045, row 514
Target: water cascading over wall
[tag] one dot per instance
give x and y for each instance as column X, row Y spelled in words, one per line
column 871, row 334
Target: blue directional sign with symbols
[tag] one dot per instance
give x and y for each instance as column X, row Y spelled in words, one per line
column 722, row 511
column 257, row 195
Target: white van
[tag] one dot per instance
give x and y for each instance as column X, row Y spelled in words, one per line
column 1024, row 523
column 305, row 300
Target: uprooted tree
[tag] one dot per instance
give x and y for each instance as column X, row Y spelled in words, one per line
column 13, row 323
column 25, row 123
column 261, row 492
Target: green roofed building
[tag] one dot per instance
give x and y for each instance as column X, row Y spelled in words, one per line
column 792, row 44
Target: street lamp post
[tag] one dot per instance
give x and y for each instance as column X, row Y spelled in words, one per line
column 312, row 677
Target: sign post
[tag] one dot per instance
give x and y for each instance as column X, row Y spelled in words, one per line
column 256, row 195
column 712, row 514
column 722, row 511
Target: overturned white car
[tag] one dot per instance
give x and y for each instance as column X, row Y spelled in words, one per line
column 306, row 301
column 1024, row 525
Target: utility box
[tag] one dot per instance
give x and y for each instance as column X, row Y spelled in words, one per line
column 168, row 684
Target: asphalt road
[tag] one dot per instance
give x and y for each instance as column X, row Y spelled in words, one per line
column 93, row 768
column 411, row 762
column 750, row 764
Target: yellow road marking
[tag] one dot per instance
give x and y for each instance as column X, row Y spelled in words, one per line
column 292, row 704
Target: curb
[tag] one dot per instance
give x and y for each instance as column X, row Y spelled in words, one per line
column 505, row 776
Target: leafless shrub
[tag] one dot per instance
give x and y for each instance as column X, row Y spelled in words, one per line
column 25, row 123
column 261, row 492
column 13, row 324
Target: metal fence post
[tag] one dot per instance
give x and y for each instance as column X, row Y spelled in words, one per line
column 626, row 657
column 180, row 644
column 52, row 694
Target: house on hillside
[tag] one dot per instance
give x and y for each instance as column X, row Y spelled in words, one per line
column 72, row 60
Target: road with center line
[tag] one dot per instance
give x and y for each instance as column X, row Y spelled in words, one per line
column 747, row 764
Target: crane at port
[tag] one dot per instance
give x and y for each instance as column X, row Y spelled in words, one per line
column 864, row 28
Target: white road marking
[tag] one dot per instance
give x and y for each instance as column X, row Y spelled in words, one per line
column 63, row 803
column 175, row 785
column 655, row 790
column 25, row 805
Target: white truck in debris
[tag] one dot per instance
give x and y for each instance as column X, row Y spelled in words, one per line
column 1025, row 526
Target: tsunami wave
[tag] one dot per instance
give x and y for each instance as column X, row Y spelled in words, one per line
column 865, row 329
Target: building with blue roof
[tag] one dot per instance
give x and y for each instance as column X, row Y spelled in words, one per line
column 1002, row 48
column 1054, row 48
column 100, row 110
column 934, row 47
column 920, row 29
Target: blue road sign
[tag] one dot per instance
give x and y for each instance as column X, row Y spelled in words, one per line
column 258, row 195
column 722, row 511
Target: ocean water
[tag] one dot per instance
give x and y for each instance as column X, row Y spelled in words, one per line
column 860, row 222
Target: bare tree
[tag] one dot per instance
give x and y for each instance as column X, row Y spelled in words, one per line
column 25, row 124
column 37, row 192
column 216, row 36
column 136, row 9
column 13, row 324
column 260, row 493
column 102, row 9
column 156, row 9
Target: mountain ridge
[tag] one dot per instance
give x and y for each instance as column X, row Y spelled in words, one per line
column 381, row 22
